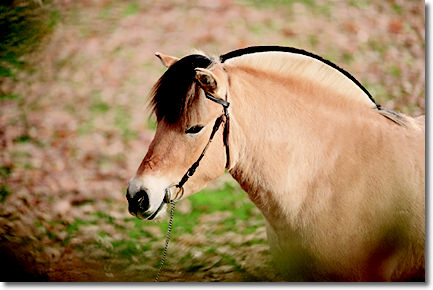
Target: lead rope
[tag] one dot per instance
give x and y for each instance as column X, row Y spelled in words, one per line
column 167, row 240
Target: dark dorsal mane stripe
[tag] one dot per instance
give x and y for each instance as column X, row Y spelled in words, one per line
column 257, row 49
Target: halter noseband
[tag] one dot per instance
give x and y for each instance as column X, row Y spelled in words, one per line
column 225, row 117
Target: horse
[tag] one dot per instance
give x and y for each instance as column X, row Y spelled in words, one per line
column 339, row 180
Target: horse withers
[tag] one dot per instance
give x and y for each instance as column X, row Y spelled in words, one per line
column 339, row 180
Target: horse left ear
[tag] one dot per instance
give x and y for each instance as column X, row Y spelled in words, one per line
column 207, row 79
column 166, row 60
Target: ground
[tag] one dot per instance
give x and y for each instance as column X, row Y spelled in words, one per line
column 74, row 128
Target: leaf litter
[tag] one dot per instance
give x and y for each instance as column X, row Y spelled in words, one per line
column 74, row 128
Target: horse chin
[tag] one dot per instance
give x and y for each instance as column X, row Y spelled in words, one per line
column 157, row 215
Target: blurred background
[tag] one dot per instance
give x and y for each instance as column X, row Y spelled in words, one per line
column 74, row 76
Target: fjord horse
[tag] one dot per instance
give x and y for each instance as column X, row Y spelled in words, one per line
column 339, row 180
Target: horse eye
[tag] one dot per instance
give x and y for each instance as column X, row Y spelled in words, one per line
column 194, row 129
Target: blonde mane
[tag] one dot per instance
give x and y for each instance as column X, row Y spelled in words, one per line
column 304, row 66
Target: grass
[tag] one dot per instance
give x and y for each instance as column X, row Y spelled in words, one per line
column 86, row 127
column 11, row 96
column 5, row 171
column 4, row 192
column 137, row 241
column 317, row 8
column 228, row 198
column 129, row 240
column 23, row 26
column 378, row 92
column 23, row 139
column 128, row 249
column 131, row 9
column 394, row 70
column 151, row 123
column 98, row 106
column 75, row 226
column 122, row 120
column 359, row 3
column 272, row 3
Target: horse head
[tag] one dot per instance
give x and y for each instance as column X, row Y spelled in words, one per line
column 185, row 121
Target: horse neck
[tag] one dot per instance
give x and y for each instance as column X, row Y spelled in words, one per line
column 278, row 136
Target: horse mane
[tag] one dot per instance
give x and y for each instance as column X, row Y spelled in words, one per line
column 285, row 60
column 169, row 96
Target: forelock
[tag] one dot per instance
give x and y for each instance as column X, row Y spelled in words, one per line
column 170, row 93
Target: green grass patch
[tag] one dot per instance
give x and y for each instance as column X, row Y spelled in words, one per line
column 278, row 3
column 210, row 251
column 23, row 139
column 348, row 57
column 65, row 242
column 285, row 5
column 131, row 9
column 129, row 249
column 137, row 233
column 75, row 226
column 38, row 224
column 185, row 259
column 4, row 192
column 359, row 3
column 251, row 229
column 229, row 198
column 21, row 154
column 397, row 8
column 5, row 171
column 313, row 40
column 4, row 97
column 6, row 72
column 105, row 12
column 102, row 215
column 183, row 223
column 86, row 127
column 395, row 71
column 22, row 28
column 51, row 235
column 53, row 19
column 98, row 106
column 122, row 120
column 151, row 123
column 377, row 45
column 103, row 235
column 209, row 201
column 378, row 92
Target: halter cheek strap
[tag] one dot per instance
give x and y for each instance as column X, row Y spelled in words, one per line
column 223, row 118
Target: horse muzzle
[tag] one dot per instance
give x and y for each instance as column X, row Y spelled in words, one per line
column 139, row 205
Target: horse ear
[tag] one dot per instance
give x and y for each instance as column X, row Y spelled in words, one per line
column 207, row 79
column 166, row 60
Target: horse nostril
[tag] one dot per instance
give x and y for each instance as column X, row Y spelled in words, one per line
column 128, row 195
column 141, row 200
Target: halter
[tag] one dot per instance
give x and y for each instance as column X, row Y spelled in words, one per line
column 225, row 117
